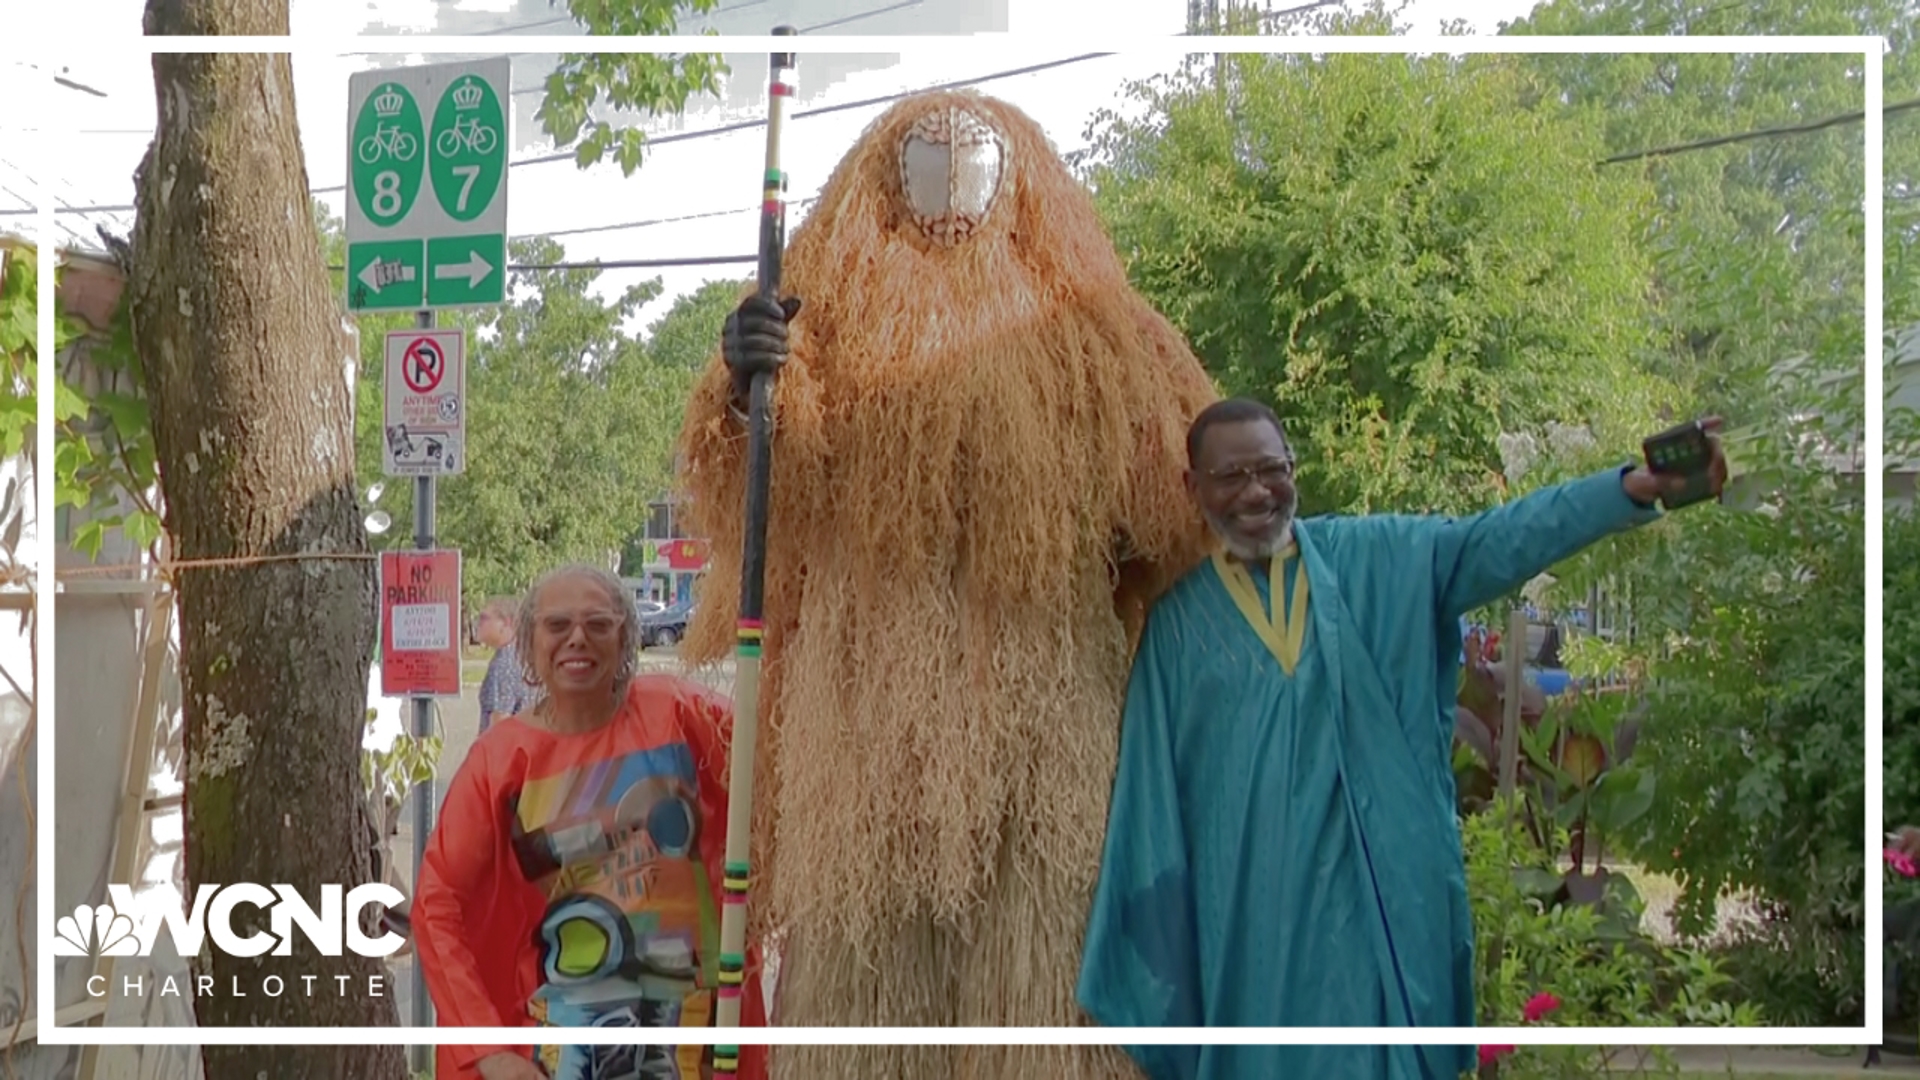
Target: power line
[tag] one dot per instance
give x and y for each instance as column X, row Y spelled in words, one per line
column 1762, row 133
column 856, row 17
column 659, row 221
column 724, row 129
column 749, row 125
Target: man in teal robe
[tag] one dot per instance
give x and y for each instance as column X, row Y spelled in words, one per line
column 1282, row 848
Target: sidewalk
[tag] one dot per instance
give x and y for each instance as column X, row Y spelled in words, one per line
column 1783, row 1061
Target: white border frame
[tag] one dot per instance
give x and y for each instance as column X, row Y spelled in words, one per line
column 999, row 48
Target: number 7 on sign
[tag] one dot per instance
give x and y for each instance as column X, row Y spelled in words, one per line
column 469, row 173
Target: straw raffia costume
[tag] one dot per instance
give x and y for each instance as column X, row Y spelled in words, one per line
column 976, row 489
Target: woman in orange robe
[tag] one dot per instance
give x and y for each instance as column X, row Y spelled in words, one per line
column 574, row 877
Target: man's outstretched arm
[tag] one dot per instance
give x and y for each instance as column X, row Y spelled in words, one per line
column 1480, row 558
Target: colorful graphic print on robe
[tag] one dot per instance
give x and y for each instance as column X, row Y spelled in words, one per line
column 630, row 938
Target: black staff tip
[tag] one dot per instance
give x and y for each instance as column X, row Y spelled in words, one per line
column 784, row 31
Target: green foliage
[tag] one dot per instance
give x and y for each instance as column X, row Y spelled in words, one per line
column 1747, row 623
column 120, row 467
column 1719, row 207
column 1749, row 617
column 653, row 85
column 1527, row 947
column 103, row 458
column 687, row 336
column 18, row 344
column 1432, row 261
column 391, row 774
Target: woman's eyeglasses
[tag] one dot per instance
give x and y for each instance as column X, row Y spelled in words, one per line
column 596, row 625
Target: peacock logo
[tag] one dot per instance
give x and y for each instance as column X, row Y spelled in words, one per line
column 95, row 931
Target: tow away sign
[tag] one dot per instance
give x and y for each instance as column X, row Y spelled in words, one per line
column 426, row 403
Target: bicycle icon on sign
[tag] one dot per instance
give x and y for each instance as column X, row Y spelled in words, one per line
column 469, row 135
column 386, row 142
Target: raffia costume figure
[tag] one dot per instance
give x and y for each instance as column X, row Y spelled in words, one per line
column 976, row 489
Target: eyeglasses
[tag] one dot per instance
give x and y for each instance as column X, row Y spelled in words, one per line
column 597, row 624
column 1270, row 473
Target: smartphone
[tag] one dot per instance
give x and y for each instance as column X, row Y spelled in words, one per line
column 1683, row 451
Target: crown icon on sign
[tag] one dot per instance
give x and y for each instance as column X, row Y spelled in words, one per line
column 467, row 95
column 388, row 105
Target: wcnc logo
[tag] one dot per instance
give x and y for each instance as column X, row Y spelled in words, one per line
column 130, row 926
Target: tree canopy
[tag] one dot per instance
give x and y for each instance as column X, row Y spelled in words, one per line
column 1409, row 256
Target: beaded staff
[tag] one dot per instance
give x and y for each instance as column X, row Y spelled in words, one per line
column 753, row 565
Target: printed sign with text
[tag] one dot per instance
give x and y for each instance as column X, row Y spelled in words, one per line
column 419, row 615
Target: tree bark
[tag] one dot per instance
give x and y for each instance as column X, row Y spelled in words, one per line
column 244, row 354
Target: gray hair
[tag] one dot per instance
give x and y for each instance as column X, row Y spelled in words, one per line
column 616, row 593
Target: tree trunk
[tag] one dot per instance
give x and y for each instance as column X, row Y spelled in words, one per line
column 244, row 349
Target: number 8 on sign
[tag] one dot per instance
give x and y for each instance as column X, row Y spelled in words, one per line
column 386, row 194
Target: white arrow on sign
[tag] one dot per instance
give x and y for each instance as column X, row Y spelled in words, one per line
column 377, row 273
column 475, row 270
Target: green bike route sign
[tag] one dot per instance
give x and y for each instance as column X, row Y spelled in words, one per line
column 427, row 186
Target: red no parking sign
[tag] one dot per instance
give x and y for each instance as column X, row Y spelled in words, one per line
column 419, row 623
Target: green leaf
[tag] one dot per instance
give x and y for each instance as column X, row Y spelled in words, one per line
column 142, row 527
column 1623, row 796
column 128, row 414
column 89, row 538
column 68, row 404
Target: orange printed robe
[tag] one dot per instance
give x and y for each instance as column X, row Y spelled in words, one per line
column 574, row 881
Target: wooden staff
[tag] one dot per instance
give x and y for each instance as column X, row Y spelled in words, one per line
column 753, row 567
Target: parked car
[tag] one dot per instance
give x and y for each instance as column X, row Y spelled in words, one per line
column 665, row 627
column 642, row 601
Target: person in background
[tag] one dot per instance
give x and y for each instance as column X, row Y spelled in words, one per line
column 504, row 691
column 574, row 876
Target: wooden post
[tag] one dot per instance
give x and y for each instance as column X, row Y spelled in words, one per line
column 1516, row 639
column 136, row 775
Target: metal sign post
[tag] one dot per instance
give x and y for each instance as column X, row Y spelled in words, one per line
column 423, row 793
column 427, row 229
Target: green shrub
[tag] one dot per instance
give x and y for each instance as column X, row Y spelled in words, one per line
column 1528, row 947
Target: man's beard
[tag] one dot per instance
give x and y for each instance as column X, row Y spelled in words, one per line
column 1246, row 550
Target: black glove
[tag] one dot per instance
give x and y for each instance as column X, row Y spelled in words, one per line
column 754, row 339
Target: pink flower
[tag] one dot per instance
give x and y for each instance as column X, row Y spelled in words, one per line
column 1540, row 1005
column 1492, row 1054
column 1901, row 864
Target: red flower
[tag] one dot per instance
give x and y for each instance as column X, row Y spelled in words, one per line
column 1901, row 864
column 1491, row 1054
column 1540, row 1005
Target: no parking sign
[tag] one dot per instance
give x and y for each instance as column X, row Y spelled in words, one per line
column 426, row 403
